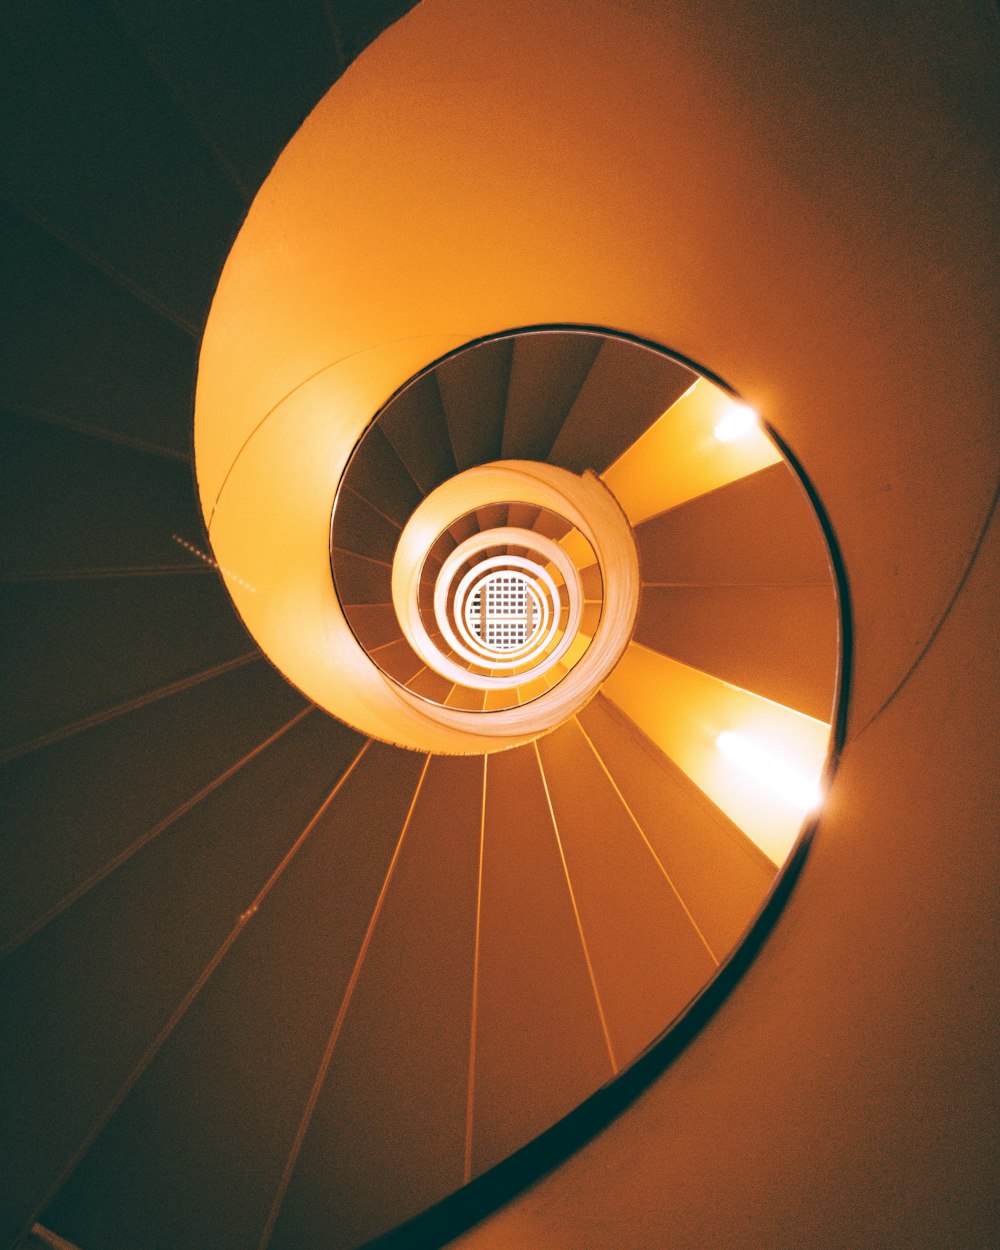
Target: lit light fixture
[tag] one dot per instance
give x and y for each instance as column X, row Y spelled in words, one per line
column 769, row 770
column 739, row 420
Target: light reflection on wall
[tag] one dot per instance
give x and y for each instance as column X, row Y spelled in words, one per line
column 684, row 711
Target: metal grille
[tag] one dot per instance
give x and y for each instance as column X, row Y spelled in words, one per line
column 507, row 618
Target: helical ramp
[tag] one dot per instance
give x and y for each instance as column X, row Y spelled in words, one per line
column 375, row 844
column 584, row 614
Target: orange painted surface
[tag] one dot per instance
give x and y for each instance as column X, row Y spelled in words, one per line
column 648, row 956
column 684, row 710
column 679, row 457
column 534, row 991
column 721, row 875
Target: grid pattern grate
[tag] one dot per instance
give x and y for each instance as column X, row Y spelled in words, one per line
column 502, row 612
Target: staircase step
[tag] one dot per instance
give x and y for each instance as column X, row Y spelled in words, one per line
column 648, row 958
column 359, row 527
column 539, row 1044
column 547, row 371
column 374, row 625
column 65, row 814
column 431, row 685
column 415, row 426
column 399, row 660
column 473, row 388
column 152, row 931
column 148, row 199
column 619, row 400
column 260, row 1027
column 759, row 530
column 378, row 475
column 113, row 364
column 777, row 641
column 685, row 711
column 720, row 874
column 75, row 505
column 75, row 649
column 397, row 1088
column 683, row 438
column 361, row 579
column 247, row 75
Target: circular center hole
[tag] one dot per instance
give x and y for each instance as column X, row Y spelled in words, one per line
column 504, row 611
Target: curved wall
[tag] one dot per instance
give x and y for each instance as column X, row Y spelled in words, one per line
column 804, row 203
column 799, row 199
column 756, row 192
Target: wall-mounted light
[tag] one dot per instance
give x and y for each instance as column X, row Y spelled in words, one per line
column 769, row 770
column 739, row 420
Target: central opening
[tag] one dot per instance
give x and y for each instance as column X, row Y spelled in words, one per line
column 504, row 611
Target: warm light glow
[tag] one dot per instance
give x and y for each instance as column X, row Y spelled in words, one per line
column 769, row 770
column 682, row 456
column 686, row 711
column 736, row 423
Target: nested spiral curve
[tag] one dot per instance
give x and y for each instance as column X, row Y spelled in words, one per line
column 531, row 676
column 628, row 578
column 544, row 875
column 638, row 259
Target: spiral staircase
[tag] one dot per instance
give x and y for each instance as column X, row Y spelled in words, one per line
column 289, row 965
